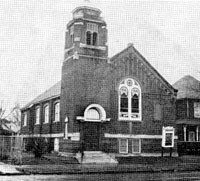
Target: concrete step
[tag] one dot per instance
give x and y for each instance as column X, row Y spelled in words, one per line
column 95, row 158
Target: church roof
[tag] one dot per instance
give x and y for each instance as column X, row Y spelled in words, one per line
column 188, row 87
column 133, row 50
column 52, row 92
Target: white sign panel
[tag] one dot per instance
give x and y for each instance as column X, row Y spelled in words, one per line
column 168, row 137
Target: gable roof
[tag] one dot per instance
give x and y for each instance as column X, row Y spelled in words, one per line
column 188, row 87
column 52, row 92
column 132, row 49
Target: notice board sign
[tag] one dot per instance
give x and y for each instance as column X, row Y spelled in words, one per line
column 168, row 137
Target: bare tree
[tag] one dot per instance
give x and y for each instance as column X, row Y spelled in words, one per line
column 14, row 116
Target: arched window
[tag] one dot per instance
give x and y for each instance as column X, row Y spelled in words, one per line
column 88, row 37
column 37, row 115
column 57, row 112
column 25, row 119
column 94, row 38
column 129, row 100
column 46, row 113
column 91, row 34
column 93, row 114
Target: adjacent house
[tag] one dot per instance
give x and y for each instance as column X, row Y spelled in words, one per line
column 116, row 105
column 188, row 115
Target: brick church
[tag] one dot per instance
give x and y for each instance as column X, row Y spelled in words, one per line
column 115, row 105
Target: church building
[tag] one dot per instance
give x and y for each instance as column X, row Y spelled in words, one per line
column 115, row 105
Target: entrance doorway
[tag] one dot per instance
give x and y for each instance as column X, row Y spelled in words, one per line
column 91, row 136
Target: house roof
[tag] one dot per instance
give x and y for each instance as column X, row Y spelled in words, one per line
column 188, row 87
column 53, row 91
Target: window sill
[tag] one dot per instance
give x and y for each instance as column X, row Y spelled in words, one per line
column 56, row 121
column 125, row 153
column 127, row 119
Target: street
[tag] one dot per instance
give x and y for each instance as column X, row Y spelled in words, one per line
column 108, row 177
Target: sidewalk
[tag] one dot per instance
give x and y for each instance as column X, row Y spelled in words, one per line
column 6, row 169
column 126, row 165
column 92, row 169
column 130, row 165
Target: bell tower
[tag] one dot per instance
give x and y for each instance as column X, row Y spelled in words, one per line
column 85, row 59
column 86, row 34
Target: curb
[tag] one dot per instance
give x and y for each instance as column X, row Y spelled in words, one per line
column 110, row 170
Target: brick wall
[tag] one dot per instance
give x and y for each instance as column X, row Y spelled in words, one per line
column 42, row 128
column 87, row 81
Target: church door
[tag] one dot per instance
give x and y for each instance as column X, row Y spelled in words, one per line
column 91, row 136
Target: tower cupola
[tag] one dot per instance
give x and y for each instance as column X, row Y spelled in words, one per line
column 86, row 34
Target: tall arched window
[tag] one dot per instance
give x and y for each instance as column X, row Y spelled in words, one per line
column 94, row 38
column 91, row 34
column 88, row 37
column 129, row 100
column 46, row 114
column 57, row 112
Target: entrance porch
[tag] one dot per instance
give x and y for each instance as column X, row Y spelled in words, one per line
column 188, row 139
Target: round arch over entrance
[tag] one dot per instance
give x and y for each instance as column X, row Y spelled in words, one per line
column 91, row 127
column 94, row 113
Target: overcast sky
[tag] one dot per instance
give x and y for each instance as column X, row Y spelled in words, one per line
column 32, row 35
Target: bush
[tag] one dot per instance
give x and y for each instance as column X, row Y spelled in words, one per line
column 39, row 147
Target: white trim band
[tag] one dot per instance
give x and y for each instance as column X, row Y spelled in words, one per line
column 93, row 47
column 138, row 136
column 55, row 135
column 78, row 23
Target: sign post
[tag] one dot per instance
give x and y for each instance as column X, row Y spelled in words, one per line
column 167, row 138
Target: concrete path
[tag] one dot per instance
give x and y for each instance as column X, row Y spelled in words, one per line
column 6, row 169
column 96, row 157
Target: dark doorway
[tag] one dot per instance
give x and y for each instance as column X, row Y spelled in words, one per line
column 91, row 136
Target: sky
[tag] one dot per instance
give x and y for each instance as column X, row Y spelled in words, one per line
column 166, row 33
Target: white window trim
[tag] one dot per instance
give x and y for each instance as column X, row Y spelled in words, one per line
column 25, row 119
column 129, row 102
column 46, row 106
column 126, row 146
column 37, row 121
column 139, row 146
column 55, row 121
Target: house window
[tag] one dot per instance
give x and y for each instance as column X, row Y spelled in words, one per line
column 123, row 146
column 136, row 145
column 46, row 114
column 57, row 112
column 129, row 100
column 157, row 111
column 37, row 112
column 25, row 119
column 197, row 109
column 91, row 34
